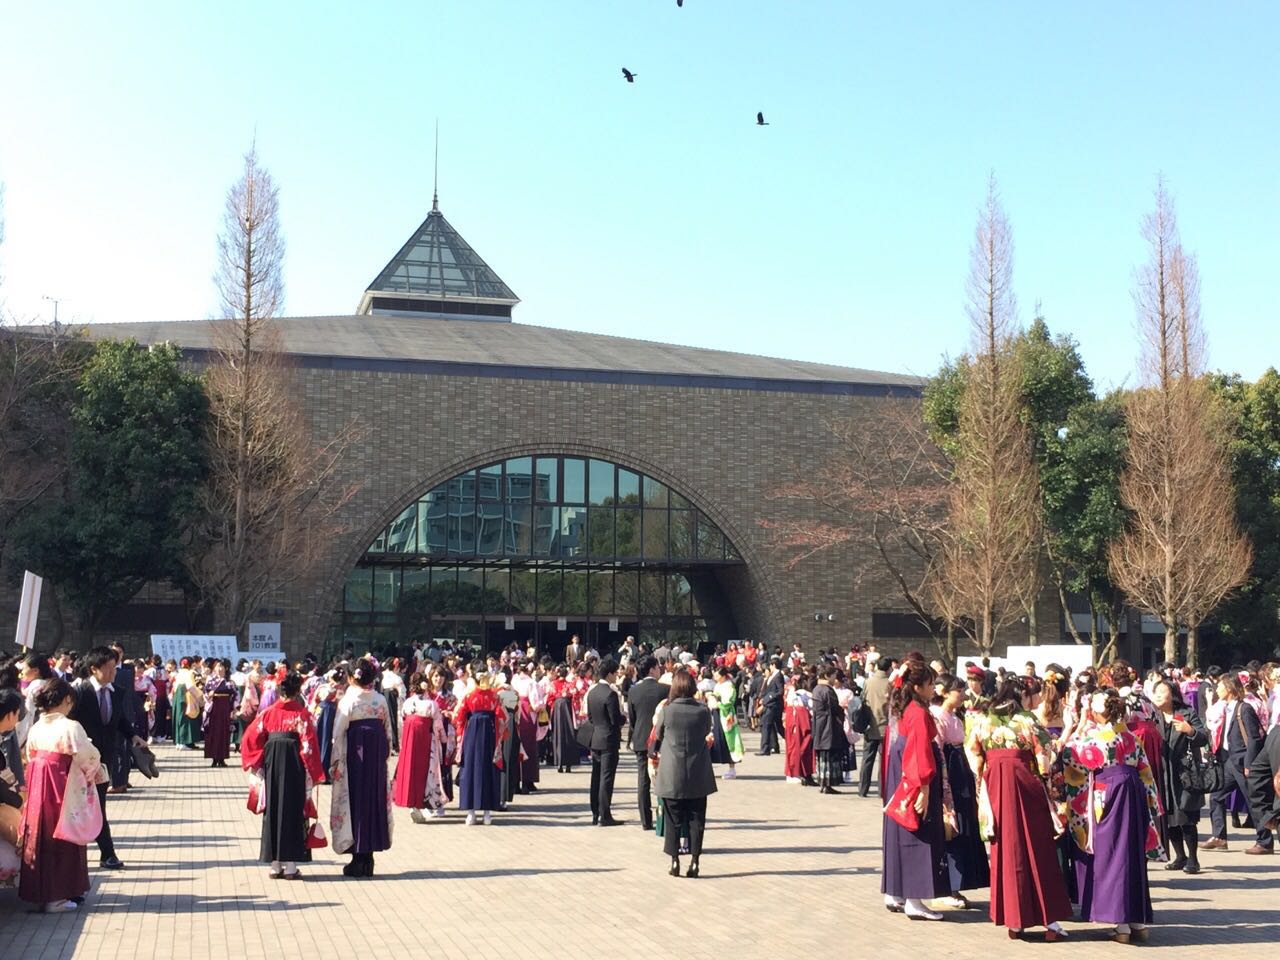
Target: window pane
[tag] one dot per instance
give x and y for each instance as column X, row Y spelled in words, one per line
column 386, row 585
column 470, row 597
column 433, row 520
column 497, row 589
column 678, row 594
column 520, row 479
column 575, row 592
column 679, row 503
column 601, row 487
column 379, row 544
column 402, row 535
column 710, row 540
column 547, row 480
column 601, row 595
column 628, row 486
column 652, row 594
column 444, row 591
column 682, row 535
column 463, row 486
column 628, row 527
column 655, row 534
column 655, row 493
column 573, row 533
column 600, row 532
column 575, row 480
column 626, row 593
column 523, row 591
column 489, row 543
column 359, row 591
column 518, row 537
column 491, row 482
column 546, row 524
column 550, row 600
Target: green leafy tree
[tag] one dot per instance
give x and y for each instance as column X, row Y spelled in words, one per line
column 135, row 462
column 1249, row 622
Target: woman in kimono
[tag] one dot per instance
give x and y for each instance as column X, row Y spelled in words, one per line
column 526, row 727
column 325, row 710
column 481, row 724
column 219, row 706
column 564, row 746
column 797, row 726
column 438, row 682
column 247, row 709
column 280, row 753
column 144, row 701
column 417, row 783
column 726, row 699
column 1183, row 735
column 62, row 813
column 829, row 743
column 394, row 691
column 1010, row 753
column 915, row 868
column 186, row 728
column 510, row 700
column 1113, row 808
column 360, row 813
column 967, row 863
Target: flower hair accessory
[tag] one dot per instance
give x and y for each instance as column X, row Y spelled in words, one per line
column 898, row 675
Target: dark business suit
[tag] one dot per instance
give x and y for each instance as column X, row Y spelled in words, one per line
column 685, row 776
column 1241, row 743
column 1264, row 802
column 642, row 701
column 771, row 714
column 605, row 716
column 123, row 682
column 110, row 735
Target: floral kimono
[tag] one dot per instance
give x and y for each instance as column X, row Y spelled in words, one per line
column 356, row 704
column 1017, row 731
column 1101, row 746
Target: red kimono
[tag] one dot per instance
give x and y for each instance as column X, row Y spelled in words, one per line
column 283, row 716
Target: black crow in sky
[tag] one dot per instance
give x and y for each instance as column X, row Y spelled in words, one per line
column 631, row 77
column 760, row 121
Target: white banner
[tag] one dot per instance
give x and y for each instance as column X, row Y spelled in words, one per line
column 28, row 610
column 1074, row 656
column 175, row 646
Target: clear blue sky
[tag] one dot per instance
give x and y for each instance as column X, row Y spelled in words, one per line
column 658, row 210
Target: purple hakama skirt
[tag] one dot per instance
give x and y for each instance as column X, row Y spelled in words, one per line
column 527, row 731
column 479, row 781
column 217, row 730
column 367, row 750
column 1113, row 881
column 915, row 862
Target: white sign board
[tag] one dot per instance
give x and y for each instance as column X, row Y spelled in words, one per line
column 263, row 638
column 613, row 624
column 562, row 623
column 28, row 610
column 1074, row 656
column 175, row 646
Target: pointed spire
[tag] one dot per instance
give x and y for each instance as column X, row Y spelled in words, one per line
column 435, row 177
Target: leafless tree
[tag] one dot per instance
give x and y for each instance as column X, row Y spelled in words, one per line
column 1183, row 550
column 271, row 502
column 990, row 561
column 886, row 484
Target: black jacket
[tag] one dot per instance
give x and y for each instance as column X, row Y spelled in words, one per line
column 771, row 697
column 605, row 716
column 1178, row 747
column 1242, row 736
column 104, row 736
column 642, row 701
column 828, row 719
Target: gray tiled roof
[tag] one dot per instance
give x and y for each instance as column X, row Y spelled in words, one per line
column 383, row 342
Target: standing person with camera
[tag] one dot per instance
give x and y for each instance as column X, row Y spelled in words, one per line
column 604, row 714
column 1185, row 737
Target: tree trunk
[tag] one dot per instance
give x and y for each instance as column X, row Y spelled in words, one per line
column 1171, row 642
column 1193, row 644
column 1033, row 626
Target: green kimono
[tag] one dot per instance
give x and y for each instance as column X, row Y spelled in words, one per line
column 727, row 695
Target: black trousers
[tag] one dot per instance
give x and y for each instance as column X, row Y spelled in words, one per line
column 121, row 762
column 770, row 724
column 870, row 751
column 1234, row 777
column 106, row 846
column 644, row 795
column 604, row 768
column 679, row 814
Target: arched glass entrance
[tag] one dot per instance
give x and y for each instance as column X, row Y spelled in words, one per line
column 541, row 547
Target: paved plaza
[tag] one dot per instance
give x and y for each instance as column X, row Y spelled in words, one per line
column 786, row 871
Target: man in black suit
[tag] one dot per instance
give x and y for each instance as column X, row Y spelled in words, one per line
column 771, row 709
column 1239, row 741
column 123, row 682
column 100, row 709
column 642, row 701
column 605, row 716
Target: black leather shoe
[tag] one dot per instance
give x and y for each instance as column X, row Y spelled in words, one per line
column 762, row 753
column 111, row 863
column 692, row 872
column 675, row 868
column 1192, row 868
column 611, row 822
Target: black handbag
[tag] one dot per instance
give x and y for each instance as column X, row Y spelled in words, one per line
column 1201, row 772
column 584, row 733
column 861, row 721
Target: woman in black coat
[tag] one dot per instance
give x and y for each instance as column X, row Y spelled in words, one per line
column 1185, row 736
column 830, row 744
column 681, row 744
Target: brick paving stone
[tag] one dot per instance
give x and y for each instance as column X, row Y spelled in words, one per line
column 784, row 870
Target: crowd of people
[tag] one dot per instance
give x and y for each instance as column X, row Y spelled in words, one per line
column 1054, row 791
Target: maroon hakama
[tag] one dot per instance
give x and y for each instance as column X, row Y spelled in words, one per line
column 217, row 728
column 799, row 740
column 410, row 787
column 1027, row 889
column 52, row 869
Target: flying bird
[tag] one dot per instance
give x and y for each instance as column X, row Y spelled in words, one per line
column 760, row 121
column 679, row 3
column 631, row 77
